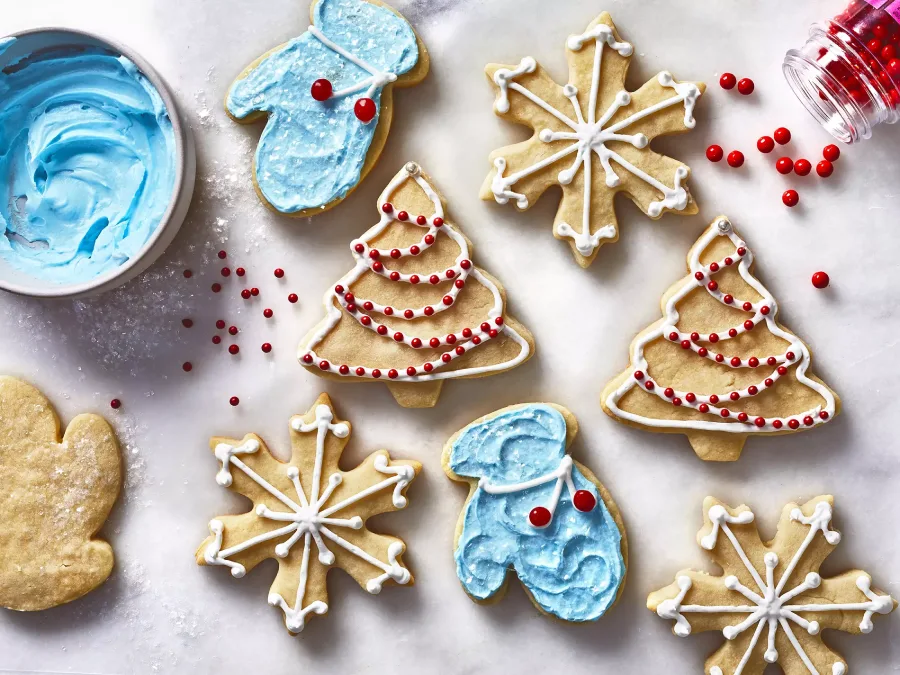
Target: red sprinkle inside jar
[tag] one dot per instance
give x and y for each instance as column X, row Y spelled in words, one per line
column 847, row 75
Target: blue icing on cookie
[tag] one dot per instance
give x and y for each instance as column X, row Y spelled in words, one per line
column 312, row 153
column 573, row 568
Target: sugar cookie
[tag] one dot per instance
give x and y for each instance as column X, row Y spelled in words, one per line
column 771, row 603
column 328, row 97
column 593, row 114
column 533, row 509
column 308, row 514
column 414, row 310
column 56, row 496
column 718, row 367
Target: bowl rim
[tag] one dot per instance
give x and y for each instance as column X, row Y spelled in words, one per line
column 180, row 132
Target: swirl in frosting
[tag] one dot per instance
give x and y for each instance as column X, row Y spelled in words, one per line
column 87, row 159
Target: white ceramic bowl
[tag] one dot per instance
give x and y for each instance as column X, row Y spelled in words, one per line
column 16, row 281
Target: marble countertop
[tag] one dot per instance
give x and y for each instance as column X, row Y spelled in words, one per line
column 160, row 612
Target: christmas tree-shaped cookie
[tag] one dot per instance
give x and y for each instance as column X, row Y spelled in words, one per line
column 414, row 310
column 718, row 367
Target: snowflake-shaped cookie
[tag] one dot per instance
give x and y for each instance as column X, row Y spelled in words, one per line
column 770, row 587
column 308, row 514
column 593, row 114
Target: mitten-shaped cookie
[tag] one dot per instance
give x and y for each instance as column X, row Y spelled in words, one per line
column 54, row 497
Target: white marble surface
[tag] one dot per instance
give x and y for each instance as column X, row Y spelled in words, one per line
column 160, row 612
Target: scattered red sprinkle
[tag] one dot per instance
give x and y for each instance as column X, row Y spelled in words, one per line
column 746, row 86
column 220, row 324
column 735, row 158
column 240, row 271
column 216, row 287
column 820, row 280
column 188, row 274
column 234, row 400
column 233, row 349
column 268, row 313
column 727, row 81
column 279, row 273
column 232, row 330
column 226, row 272
column 765, row 144
column 266, row 347
column 245, row 294
column 222, row 255
column 802, row 167
column 187, row 323
column 293, row 297
column 782, row 136
column 115, row 404
column 216, row 339
column 784, row 165
column 714, row 153
column 187, row 366
column 824, row 168
column 790, row 198
column 831, row 153
column 254, row 291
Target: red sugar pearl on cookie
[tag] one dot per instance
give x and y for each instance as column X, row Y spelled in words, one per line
column 539, row 516
column 216, row 287
column 187, row 323
column 187, row 366
column 222, row 255
column 714, row 153
column 245, row 294
column 735, row 159
column 187, row 274
column 824, row 168
column 831, row 153
column 746, row 86
column 115, row 404
column 233, row 349
column 240, row 271
column 267, row 347
column 292, row 298
column 216, row 339
column 279, row 273
column 727, row 81
column 365, row 110
column 232, row 330
column 584, row 501
column 765, row 144
column 268, row 313
column 321, row 89
column 234, row 400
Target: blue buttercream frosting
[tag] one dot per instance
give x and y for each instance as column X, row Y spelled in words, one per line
column 310, row 152
column 87, row 163
column 574, row 567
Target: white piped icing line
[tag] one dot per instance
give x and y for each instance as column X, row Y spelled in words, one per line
column 377, row 78
column 770, row 606
column 309, row 518
column 340, row 299
column 762, row 312
column 562, row 475
column 588, row 137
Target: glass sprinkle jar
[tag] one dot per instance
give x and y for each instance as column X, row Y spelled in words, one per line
column 848, row 72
